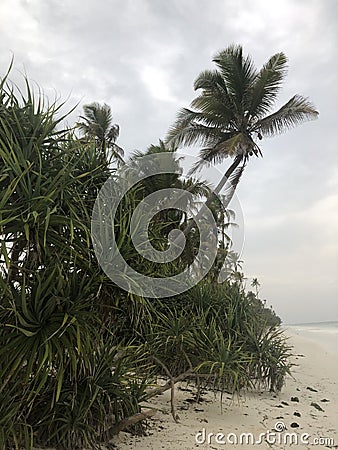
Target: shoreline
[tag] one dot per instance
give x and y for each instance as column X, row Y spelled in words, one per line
column 327, row 339
column 307, row 405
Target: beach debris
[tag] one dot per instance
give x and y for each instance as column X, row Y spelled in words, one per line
column 315, row 405
column 298, row 414
column 193, row 400
column 180, row 388
column 309, row 388
column 279, row 406
column 294, row 425
column 285, row 403
column 183, row 408
column 196, row 399
column 294, row 399
column 121, row 426
column 325, row 400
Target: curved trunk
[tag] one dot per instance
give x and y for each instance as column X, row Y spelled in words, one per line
column 215, row 192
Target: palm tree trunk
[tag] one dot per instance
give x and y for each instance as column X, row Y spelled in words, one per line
column 214, row 193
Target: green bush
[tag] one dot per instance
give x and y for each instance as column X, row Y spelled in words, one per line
column 63, row 378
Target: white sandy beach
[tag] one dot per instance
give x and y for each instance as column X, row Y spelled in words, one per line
column 315, row 412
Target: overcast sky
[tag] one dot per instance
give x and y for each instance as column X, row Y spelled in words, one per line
column 141, row 57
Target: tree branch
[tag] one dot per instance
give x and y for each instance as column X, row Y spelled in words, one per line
column 125, row 423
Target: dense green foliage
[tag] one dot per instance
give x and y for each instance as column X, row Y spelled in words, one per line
column 77, row 354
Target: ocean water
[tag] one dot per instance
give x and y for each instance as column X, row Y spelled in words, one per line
column 323, row 333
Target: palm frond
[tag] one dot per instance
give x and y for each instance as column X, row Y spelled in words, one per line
column 215, row 97
column 267, row 84
column 192, row 127
column 207, row 156
column 217, row 111
column 296, row 111
column 113, row 133
column 232, row 146
column 238, row 72
column 198, row 188
column 209, row 80
column 117, row 153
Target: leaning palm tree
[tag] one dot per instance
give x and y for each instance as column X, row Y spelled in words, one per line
column 233, row 111
column 98, row 125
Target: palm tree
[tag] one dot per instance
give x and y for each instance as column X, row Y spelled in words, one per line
column 233, row 110
column 238, row 277
column 98, row 125
column 255, row 284
column 224, row 219
column 171, row 179
column 178, row 216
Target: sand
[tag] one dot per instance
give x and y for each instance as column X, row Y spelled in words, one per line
column 306, row 411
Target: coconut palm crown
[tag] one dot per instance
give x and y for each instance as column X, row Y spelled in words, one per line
column 98, row 125
column 233, row 111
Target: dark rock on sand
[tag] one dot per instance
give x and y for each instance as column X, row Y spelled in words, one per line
column 309, row 388
column 315, row 405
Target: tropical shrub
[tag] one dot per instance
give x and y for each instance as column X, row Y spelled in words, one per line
column 63, row 374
